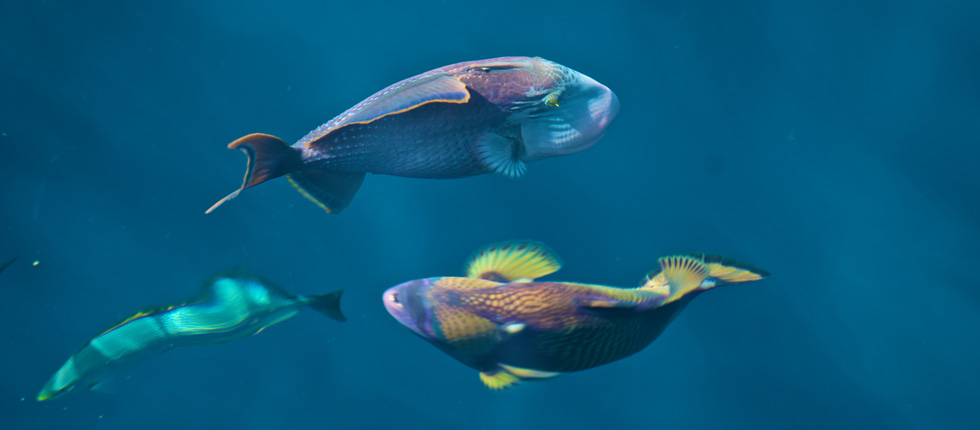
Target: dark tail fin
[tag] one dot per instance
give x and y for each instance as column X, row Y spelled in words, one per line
column 268, row 158
column 327, row 304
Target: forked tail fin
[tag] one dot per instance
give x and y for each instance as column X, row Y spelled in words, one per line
column 327, row 304
column 268, row 158
column 683, row 274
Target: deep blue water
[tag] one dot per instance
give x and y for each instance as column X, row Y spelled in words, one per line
column 834, row 144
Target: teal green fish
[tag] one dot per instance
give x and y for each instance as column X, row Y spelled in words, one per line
column 230, row 307
column 502, row 322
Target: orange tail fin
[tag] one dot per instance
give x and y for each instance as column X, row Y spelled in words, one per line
column 269, row 157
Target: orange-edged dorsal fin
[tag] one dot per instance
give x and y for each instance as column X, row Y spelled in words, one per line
column 408, row 95
column 513, row 260
column 331, row 191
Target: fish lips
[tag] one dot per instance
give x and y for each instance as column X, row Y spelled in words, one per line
column 405, row 303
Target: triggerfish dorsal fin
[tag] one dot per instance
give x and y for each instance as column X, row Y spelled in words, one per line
column 331, row 191
column 513, row 260
column 327, row 304
column 678, row 275
column 408, row 95
column 268, row 158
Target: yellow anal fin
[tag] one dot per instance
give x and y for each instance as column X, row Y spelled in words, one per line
column 499, row 380
column 331, row 191
column 509, row 376
column 523, row 373
column 513, row 260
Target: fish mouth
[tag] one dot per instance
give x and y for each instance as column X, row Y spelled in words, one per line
column 408, row 308
column 393, row 304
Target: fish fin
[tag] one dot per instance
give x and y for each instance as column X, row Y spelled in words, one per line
column 269, row 157
column 8, row 263
column 514, row 327
column 523, row 373
column 331, row 191
column 327, row 304
column 723, row 270
column 410, row 94
column 679, row 275
column 500, row 154
column 604, row 303
column 499, row 379
column 104, row 386
column 507, row 261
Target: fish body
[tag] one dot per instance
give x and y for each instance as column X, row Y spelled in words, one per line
column 229, row 308
column 456, row 121
column 510, row 328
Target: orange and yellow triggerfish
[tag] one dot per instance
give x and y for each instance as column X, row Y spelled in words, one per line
column 502, row 322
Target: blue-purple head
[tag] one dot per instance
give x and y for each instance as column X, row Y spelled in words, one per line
column 569, row 111
column 406, row 303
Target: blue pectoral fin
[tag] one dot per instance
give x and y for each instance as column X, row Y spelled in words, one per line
column 331, row 191
column 500, row 154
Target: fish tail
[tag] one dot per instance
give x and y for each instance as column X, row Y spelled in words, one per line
column 327, row 304
column 723, row 271
column 269, row 157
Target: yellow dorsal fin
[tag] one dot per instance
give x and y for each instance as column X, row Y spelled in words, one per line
column 682, row 274
column 513, row 260
column 499, row 380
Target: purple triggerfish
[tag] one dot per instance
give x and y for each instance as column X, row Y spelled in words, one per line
column 230, row 307
column 455, row 121
column 502, row 322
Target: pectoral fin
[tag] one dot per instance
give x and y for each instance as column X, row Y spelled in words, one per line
column 513, row 260
column 501, row 154
column 600, row 302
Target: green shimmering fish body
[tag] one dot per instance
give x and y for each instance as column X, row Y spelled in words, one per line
column 230, row 307
column 501, row 322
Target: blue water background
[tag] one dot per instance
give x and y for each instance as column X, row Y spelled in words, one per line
column 834, row 143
